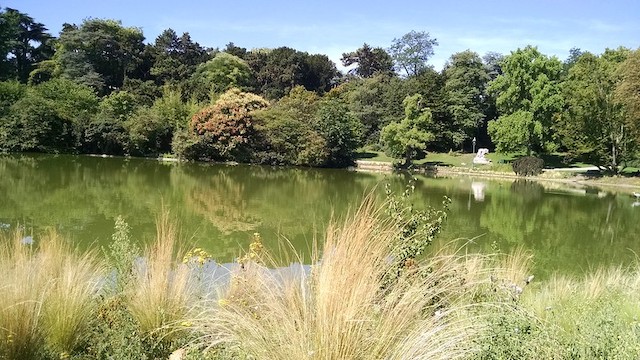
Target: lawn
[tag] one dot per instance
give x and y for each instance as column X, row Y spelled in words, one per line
column 500, row 161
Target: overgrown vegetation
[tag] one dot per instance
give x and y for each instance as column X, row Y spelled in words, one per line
column 99, row 88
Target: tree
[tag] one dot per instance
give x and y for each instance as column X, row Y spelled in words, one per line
column 286, row 129
column 628, row 92
column 223, row 72
column 103, row 48
column 225, row 129
column 464, row 88
column 412, row 51
column 24, row 44
column 176, row 58
column 594, row 127
column 528, row 99
column 369, row 61
column 340, row 129
column 375, row 102
column 409, row 137
column 279, row 70
column 108, row 133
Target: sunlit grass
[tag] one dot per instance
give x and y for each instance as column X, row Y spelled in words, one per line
column 341, row 308
column 49, row 294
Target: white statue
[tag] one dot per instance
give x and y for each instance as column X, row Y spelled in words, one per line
column 480, row 159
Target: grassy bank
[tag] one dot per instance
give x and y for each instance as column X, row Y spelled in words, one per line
column 367, row 294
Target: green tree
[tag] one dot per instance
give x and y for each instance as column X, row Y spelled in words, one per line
column 412, row 51
column 369, row 61
column 108, row 133
column 24, row 43
column 223, row 72
column 594, row 126
column 340, row 129
column 105, row 49
column 225, row 130
column 465, row 88
column 628, row 90
column 10, row 93
column 176, row 58
column 286, row 129
column 409, row 137
column 279, row 70
column 375, row 102
column 528, row 99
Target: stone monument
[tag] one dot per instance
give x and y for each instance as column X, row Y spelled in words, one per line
column 480, row 159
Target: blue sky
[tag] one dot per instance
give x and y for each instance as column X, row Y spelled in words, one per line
column 332, row 27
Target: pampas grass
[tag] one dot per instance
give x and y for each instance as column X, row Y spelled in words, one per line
column 49, row 294
column 340, row 308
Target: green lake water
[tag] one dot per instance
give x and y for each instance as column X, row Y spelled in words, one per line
column 219, row 207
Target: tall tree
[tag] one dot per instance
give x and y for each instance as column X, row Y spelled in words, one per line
column 465, row 86
column 528, row 98
column 279, row 70
column 375, row 102
column 628, row 92
column 104, row 48
column 176, row 58
column 369, row 61
column 594, row 127
column 24, row 43
column 409, row 137
column 412, row 51
column 223, row 72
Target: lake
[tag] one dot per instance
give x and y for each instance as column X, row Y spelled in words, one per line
column 219, row 207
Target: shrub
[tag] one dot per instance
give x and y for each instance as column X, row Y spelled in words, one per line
column 528, row 166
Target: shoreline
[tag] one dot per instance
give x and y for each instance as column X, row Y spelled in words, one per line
column 577, row 179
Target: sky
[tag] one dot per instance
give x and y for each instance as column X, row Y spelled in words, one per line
column 332, row 27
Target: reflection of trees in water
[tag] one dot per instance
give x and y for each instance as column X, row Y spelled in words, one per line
column 528, row 190
column 288, row 201
column 564, row 231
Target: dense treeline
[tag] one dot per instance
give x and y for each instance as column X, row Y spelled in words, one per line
column 99, row 88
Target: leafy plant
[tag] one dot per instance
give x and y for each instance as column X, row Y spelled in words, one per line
column 528, row 166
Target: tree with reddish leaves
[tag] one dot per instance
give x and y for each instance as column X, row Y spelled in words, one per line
column 225, row 130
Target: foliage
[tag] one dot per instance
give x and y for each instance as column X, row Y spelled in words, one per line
column 375, row 102
column 102, row 47
column 594, row 127
column 626, row 92
column 528, row 98
column 370, row 61
column 226, row 128
column 223, row 72
column 25, row 43
column 175, row 58
column 340, row 130
column 122, row 253
column 409, row 137
column 412, row 51
column 279, row 70
column 287, row 130
column 107, row 133
column 528, row 166
column 48, row 300
column 416, row 229
column 464, row 88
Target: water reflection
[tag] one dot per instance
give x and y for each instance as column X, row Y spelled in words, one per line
column 219, row 207
column 478, row 190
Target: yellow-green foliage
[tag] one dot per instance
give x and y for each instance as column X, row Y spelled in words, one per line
column 160, row 291
column 48, row 296
column 338, row 309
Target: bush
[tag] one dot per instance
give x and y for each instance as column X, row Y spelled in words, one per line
column 528, row 166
